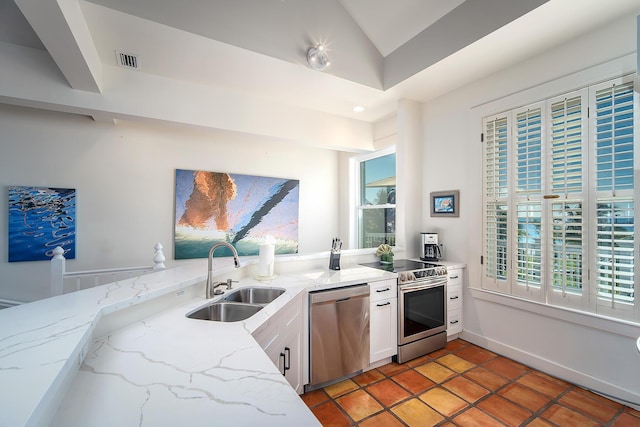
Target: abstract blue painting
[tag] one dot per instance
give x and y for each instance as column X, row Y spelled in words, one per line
column 243, row 210
column 41, row 218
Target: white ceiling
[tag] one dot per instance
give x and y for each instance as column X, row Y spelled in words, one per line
column 381, row 51
column 390, row 24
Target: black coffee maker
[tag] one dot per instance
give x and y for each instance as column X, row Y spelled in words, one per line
column 430, row 249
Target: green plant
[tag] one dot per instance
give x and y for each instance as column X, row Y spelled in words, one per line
column 384, row 249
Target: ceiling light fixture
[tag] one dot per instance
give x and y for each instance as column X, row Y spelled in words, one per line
column 317, row 58
column 358, row 109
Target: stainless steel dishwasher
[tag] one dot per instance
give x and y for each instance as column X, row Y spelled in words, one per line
column 339, row 334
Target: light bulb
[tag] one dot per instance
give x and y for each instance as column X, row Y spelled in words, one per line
column 317, row 57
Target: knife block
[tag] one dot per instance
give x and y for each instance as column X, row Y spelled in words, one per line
column 334, row 261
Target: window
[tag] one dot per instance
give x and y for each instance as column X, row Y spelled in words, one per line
column 558, row 200
column 376, row 198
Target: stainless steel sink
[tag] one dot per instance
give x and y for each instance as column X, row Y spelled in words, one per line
column 254, row 295
column 225, row 311
column 237, row 305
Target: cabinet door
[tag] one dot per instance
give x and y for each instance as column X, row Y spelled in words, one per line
column 383, row 329
column 281, row 339
column 273, row 350
column 285, row 351
column 291, row 358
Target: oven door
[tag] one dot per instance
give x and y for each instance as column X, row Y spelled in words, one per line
column 422, row 310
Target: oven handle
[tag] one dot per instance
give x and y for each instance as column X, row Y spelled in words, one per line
column 420, row 286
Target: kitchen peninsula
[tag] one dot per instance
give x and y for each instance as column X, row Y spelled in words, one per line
column 125, row 354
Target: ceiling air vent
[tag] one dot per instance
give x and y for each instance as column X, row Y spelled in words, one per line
column 127, row 60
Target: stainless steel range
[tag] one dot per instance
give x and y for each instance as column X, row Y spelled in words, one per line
column 422, row 307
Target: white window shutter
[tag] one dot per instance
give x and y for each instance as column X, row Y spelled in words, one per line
column 613, row 106
column 567, row 199
column 495, row 196
column 527, row 233
column 559, row 200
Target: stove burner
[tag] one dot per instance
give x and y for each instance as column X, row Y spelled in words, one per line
column 411, row 271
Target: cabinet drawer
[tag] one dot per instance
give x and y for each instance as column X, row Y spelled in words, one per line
column 383, row 290
column 454, row 277
column 454, row 320
column 454, row 297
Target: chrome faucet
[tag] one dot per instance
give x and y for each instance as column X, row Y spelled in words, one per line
column 209, row 288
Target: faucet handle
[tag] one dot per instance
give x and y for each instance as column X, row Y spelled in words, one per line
column 229, row 282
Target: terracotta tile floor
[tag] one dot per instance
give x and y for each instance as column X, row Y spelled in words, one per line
column 463, row 385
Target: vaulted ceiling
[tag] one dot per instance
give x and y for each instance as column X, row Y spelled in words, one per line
column 226, row 54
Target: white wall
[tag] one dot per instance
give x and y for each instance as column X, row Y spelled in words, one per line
column 409, row 176
column 124, row 175
column 31, row 78
column 452, row 160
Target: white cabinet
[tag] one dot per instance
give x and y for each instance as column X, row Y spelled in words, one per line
column 454, row 301
column 383, row 319
column 290, row 357
column 281, row 339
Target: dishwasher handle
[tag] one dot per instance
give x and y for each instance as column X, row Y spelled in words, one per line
column 339, row 294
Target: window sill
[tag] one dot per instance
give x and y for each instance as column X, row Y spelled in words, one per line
column 604, row 323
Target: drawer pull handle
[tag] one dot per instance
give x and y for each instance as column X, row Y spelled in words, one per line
column 383, row 290
column 453, row 277
column 456, row 297
column 287, row 363
column 453, row 322
column 383, row 304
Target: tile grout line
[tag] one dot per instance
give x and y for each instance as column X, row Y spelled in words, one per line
column 434, row 357
column 551, row 400
column 429, row 359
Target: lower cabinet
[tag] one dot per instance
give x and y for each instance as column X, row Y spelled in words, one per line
column 281, row 339
column 290, row 357
column 383, row 319
column 454, row 301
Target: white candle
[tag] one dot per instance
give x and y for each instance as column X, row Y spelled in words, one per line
column 267, row 258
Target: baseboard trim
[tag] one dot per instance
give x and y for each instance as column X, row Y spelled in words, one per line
column 608, row 390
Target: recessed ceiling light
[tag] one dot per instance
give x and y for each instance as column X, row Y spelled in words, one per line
column 358, row 109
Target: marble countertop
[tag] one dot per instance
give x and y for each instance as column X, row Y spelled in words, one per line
column 60, row 364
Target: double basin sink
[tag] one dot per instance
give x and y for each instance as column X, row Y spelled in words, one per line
column 237, row 305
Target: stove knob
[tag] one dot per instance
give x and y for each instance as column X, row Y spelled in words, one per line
column 402, row 277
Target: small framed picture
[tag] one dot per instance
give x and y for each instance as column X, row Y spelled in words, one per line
column 445, row 203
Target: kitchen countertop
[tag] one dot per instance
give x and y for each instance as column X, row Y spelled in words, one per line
column 60, row 364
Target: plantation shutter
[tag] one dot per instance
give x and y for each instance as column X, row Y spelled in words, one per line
column 495, row 157
column 558, row 200
column 612, row 106
column 566, row 198
column 527, row 235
